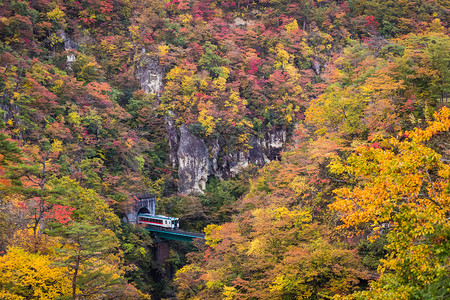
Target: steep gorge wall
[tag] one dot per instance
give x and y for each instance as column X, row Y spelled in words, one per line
column 196, row 158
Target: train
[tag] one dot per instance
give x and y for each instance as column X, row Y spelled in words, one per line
column 158, row 220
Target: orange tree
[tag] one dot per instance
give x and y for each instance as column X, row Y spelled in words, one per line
column 403, row 184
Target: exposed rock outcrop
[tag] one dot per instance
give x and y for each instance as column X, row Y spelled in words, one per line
column 273, row 144
column 69, row 45
column 173, row 139
column 316, row 66
column 193, row 162
column 197, row 159
column 150, row 74
column 262, row 151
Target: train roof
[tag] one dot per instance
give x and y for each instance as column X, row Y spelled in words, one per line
column 157, row 217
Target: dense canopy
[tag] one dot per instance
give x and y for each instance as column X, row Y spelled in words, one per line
column 320, row 130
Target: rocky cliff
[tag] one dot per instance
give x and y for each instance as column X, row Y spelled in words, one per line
column 198, row 158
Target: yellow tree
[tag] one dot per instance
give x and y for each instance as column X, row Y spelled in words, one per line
column 402, row 186
column 25, row 275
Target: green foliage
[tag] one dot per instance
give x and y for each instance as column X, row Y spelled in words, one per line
column 87, row 69
column 136, row 244
column 173, row 35
column 372, row 252
column 211, row 61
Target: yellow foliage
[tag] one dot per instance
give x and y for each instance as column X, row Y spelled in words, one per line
column 245, row 123
column 225, row 72
column 436, row 26
column 185, row 18
column 256, row 246
column 33, row 276
column 173, row 73
column 441, row 124
column 299, row 185
column 74, row 118
column 294, row 75
column 220, row 83
column 56, row 14
column 404, row 185
column 207, row 121
column 163, row 50
column 243, row 140
column 135, row 34
column 5, row 295
column 56, row 146
column 293, row 26
column 203, row 84
column 283, row 283
column 57, row 85
column 282, row 57
column 211, row 240
column 229, row 292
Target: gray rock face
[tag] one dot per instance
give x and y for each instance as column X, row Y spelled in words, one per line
column 239, row 22
column 273, row 144
column 69, row 44
column 150, row 75
column 9, row 111
column 193, row 162
column 214, row 159
column 173, row 139
column 316, row 67
column 262, row 151
column 196, row 161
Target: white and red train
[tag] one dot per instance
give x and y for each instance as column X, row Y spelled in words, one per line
column 158, row 220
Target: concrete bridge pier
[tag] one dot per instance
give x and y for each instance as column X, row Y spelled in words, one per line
column 162, row 252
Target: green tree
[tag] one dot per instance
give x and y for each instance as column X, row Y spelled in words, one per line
column 89, row 246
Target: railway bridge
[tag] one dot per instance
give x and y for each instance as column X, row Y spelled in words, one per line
column 167, row 234
column 162, row 236
column 145, row 204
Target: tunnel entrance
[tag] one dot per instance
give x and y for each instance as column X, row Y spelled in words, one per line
column 143, row 210
column 142, row 204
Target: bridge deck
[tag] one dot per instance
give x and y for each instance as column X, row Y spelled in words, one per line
column 174, row 234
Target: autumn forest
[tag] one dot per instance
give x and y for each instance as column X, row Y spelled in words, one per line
column 309, row 140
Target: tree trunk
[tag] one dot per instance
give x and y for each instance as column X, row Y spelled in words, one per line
column 75, row 277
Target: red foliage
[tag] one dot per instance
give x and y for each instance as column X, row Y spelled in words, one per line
column 371, row 23
column 60, row 214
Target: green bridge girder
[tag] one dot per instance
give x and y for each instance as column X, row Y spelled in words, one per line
column 174, row 234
